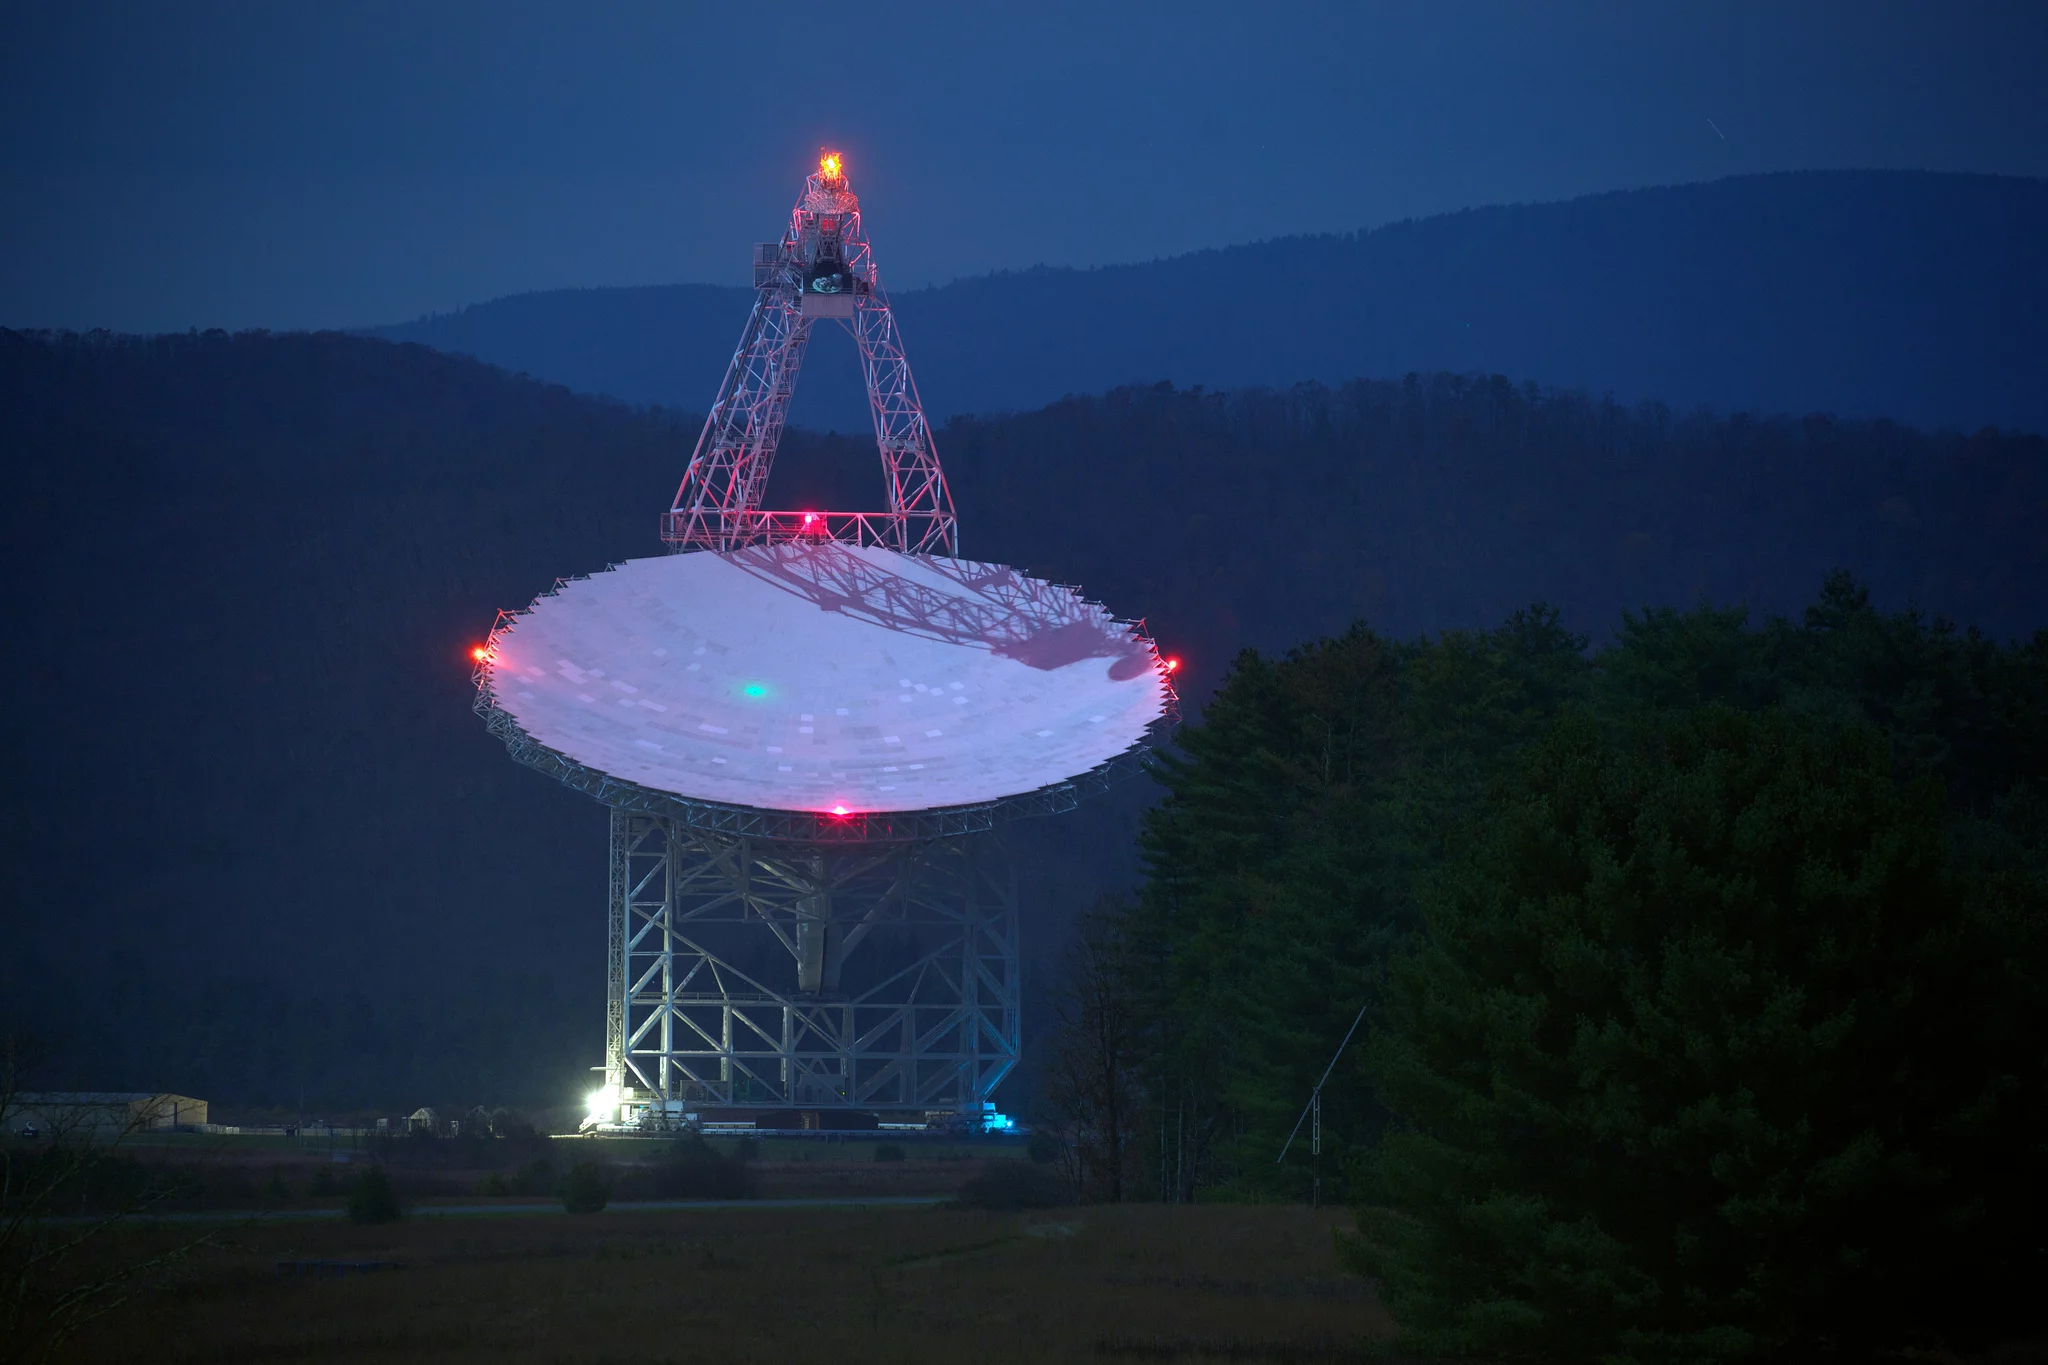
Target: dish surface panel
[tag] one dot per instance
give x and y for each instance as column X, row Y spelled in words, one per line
column 817, row 677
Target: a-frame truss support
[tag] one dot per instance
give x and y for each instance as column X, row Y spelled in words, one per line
column 821, row 271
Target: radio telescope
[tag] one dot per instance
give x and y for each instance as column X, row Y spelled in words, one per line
column 805, row 723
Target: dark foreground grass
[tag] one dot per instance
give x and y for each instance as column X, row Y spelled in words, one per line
column 1139, row 1282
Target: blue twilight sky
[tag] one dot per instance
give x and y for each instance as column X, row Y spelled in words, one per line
column 292, row 164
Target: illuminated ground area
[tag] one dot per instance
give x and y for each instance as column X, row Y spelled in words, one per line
column 904, row 1285
column 812, row 677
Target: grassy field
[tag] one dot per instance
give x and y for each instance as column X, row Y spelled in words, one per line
column 269, row 1172
column 1136, row 1282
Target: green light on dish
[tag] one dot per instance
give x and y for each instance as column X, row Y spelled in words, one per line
column 754, row 690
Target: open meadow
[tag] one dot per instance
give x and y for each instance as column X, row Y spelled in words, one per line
column 1139, row 1282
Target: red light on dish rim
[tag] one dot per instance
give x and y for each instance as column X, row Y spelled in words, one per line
column 810, row 517
column 478, row 652
column 1173, row 665
column 839, row 811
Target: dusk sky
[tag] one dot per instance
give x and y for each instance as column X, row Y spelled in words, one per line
column 287, row 166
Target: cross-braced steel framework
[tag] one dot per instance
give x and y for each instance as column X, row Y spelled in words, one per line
column 821, row 270
column 931, row 1024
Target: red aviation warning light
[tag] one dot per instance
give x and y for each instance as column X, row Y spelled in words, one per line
column 829, row 166
column 478, row 653
column 1172, row 664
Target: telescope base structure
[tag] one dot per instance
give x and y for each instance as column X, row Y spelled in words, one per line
column 759, row 974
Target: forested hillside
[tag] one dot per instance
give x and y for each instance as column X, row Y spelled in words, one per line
column 1439, row 501
column 1919, row 297
column 258, row 846
column 1697, row 980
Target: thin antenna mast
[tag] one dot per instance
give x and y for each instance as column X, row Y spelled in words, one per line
column 1315, row 1098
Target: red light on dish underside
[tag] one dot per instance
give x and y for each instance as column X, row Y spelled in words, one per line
column 838, row 810
column 1172, row 665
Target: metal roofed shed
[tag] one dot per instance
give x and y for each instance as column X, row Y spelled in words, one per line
column 806, row 723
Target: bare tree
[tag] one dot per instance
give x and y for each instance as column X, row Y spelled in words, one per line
column 1092, row 1088
column 62, row 1193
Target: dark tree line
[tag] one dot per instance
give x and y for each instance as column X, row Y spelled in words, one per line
column 1705, row 974
column 1092, row 1093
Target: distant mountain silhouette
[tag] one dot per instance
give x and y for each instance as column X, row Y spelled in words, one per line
column 1915, row 296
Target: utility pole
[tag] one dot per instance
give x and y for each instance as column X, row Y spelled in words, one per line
column 1315, row 1147
column 1314, row 1108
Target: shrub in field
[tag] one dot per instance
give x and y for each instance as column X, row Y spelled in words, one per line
column 371, row 1198
column 889, row 1151
column 585, row 1190
column 1009, row 1184
column 694, row 1169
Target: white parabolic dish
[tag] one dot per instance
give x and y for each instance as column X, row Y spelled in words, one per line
column 826, row 677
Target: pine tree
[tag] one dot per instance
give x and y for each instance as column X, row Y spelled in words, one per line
column 1713, row 1048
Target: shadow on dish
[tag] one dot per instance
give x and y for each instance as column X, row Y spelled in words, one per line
column 1040, row 625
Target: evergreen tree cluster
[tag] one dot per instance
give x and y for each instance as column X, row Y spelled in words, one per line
column 1703, row 974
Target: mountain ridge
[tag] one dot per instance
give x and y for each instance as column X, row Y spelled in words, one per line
column 1918, row 296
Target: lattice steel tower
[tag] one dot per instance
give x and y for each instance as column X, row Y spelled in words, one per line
column 773, row 947
column 822, row 269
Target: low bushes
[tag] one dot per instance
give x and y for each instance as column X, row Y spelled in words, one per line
column 371, row 1198
column 1008, row 1185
